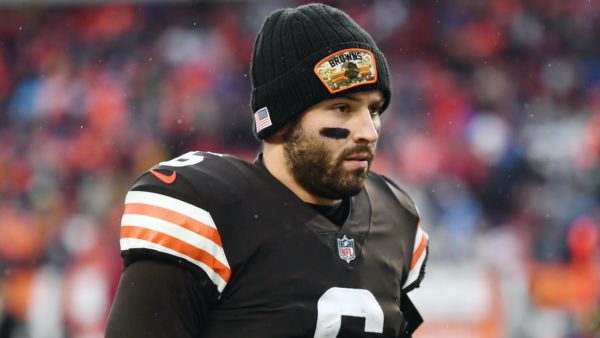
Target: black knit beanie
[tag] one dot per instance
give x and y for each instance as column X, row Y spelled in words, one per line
column 308, row 54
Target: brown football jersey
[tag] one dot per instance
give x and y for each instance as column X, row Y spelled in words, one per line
column 269, row 265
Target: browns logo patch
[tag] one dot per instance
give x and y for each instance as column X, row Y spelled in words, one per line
column 346, row 69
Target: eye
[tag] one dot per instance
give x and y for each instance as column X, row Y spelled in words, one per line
column 342, row 108
column 375, row 110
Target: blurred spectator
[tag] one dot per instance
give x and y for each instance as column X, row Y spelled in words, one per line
column 494, row 126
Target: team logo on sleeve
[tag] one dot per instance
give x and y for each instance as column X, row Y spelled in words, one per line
column 346, row 69
column 168, row 179
column 346, row 248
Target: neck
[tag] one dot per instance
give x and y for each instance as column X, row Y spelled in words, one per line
column 275, row 162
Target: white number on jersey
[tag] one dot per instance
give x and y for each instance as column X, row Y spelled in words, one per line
column 337, row 302
column 189, row 158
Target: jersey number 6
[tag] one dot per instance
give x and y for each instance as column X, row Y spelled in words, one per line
column 337, row 302
column 189, row 158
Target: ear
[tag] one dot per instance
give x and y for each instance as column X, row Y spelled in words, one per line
column 279, row 135
column 283, row 130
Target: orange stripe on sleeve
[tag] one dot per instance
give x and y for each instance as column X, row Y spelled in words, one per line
column 128, row 231
column 417, row 254
column 175, row 218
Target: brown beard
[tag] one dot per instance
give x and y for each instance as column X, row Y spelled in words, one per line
column 312, row 165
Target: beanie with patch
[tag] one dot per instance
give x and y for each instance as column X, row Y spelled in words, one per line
column 305, row 55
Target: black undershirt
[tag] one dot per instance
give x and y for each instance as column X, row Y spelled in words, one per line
column 337, row 214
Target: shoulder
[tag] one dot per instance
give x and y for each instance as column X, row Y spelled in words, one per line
column 197, row 177
column 417, row 237
column 169, row 212
column 385, row 185
column 219, row 167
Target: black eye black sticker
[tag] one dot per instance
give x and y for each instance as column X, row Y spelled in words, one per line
column 335, row 133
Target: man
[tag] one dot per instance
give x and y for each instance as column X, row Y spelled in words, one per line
column 305, row 242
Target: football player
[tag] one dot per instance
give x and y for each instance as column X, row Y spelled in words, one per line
column 304, row 242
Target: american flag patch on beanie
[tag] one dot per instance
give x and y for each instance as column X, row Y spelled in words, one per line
column 262, row 119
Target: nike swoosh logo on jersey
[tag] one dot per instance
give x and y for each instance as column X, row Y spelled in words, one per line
column 164, row 178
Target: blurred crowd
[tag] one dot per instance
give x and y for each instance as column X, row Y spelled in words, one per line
column 494, row 128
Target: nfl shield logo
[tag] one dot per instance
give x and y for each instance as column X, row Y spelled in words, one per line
column 346, row 248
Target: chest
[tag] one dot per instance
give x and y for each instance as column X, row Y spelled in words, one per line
column 302, row 276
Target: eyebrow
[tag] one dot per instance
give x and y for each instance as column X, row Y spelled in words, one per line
column 352, row 98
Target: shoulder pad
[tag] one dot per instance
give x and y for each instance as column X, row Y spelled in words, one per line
column 214, row 179
column 420, row 250
column 168, row 213
column 402, row 196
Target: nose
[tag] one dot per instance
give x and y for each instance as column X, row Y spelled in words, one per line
column 367, row 127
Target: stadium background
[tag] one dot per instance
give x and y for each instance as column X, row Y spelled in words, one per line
column 494, row 128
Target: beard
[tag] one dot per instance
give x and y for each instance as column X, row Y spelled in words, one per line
column 316, row 169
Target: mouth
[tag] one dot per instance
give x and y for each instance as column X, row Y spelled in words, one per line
column 359, row 160
column 359, row 157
